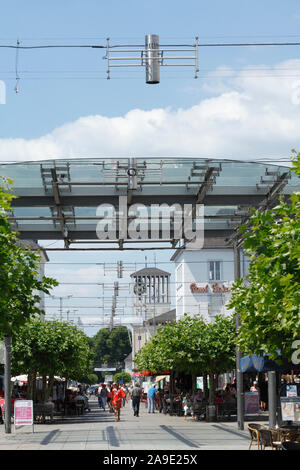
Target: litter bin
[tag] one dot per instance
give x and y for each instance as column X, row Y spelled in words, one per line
column 211, row 413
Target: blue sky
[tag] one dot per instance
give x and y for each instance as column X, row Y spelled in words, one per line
column 245, row 102
column 44, row 104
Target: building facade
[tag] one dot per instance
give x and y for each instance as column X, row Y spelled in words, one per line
column 203, row 280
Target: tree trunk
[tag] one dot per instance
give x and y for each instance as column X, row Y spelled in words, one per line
column 194, row 383
column 50, row 387
column 171, row 385
column 28, row 391
column 34, row 374
column 30, row 385
column 211, row 388
column 44, row 389
column 205, row 386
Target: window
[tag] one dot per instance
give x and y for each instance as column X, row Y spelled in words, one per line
column 214, row 269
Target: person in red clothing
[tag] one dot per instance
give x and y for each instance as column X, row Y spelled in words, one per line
column 116, row 395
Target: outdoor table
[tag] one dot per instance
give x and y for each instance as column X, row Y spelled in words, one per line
column 290, row 432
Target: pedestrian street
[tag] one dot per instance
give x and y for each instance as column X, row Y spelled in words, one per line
column 98, row 430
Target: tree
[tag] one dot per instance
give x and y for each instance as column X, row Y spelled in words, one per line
column 193, row 346
column 111, row 346
column 19, row 279
column 122, row 376
column 269, row 306
column 49, row 348
column 89, row 379
column 19, row 284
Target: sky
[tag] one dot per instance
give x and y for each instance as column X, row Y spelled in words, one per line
column 243, row 105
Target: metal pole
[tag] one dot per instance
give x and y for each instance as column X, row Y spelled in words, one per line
column 239, row 374
column 152, row 58
column 7, row 379
column 272, row 396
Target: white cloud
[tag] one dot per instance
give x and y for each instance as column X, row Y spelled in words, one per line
column 253, row 113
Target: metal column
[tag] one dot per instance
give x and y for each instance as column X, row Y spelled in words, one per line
column 7, row 379
column 272, row 396
column 239, row 374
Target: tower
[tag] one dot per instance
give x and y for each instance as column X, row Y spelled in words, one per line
column 150, row 291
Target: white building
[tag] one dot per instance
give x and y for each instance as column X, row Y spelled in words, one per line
column 203, row 280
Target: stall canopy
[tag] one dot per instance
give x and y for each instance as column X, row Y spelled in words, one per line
column 20, row 378
column 161, row 377
column 256, row 363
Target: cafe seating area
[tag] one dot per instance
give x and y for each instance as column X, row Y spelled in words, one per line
column 285, row 437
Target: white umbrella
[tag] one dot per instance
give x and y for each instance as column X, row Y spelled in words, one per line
column 20, row 378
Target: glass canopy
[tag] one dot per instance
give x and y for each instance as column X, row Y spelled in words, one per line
column 60, row 199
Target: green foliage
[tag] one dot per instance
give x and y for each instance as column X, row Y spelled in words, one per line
column 269, row 305
column 89, row 379
column 191, row 345
column 124, row 376
column 51, row 348
column 111, row 346
column 19, row 276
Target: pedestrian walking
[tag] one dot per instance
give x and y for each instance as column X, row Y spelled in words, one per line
column 117, row 395
column 160, row 399
column 124, row 399
column 109, row 404
column 99, row 396
column 136, row 394
column 151, row 398
column 103, row 396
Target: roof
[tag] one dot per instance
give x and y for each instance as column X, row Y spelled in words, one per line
column 60, row 199
column 150, row 272
column 164, row 317
column 33, row 245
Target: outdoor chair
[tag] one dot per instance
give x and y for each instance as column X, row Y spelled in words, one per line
column 254, row 429
column 225, row 410
column 289, row 445
column 166, row 406
column 199, row 410
column 266, row 440
column 80, row 407
column 41, row 411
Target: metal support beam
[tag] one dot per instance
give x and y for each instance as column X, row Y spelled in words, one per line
column 272, row 398
column 60, row 214
column 209, row 180
column 7, row 380
column 268, row 202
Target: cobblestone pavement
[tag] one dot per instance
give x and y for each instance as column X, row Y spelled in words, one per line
column 97, row 430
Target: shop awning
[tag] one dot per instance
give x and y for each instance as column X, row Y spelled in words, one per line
column 256, row 363
column 161, row 377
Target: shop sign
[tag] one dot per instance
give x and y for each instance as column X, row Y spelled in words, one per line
column 209, row 288
column 23, row 413
column 252, row 403
column 290, row 408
